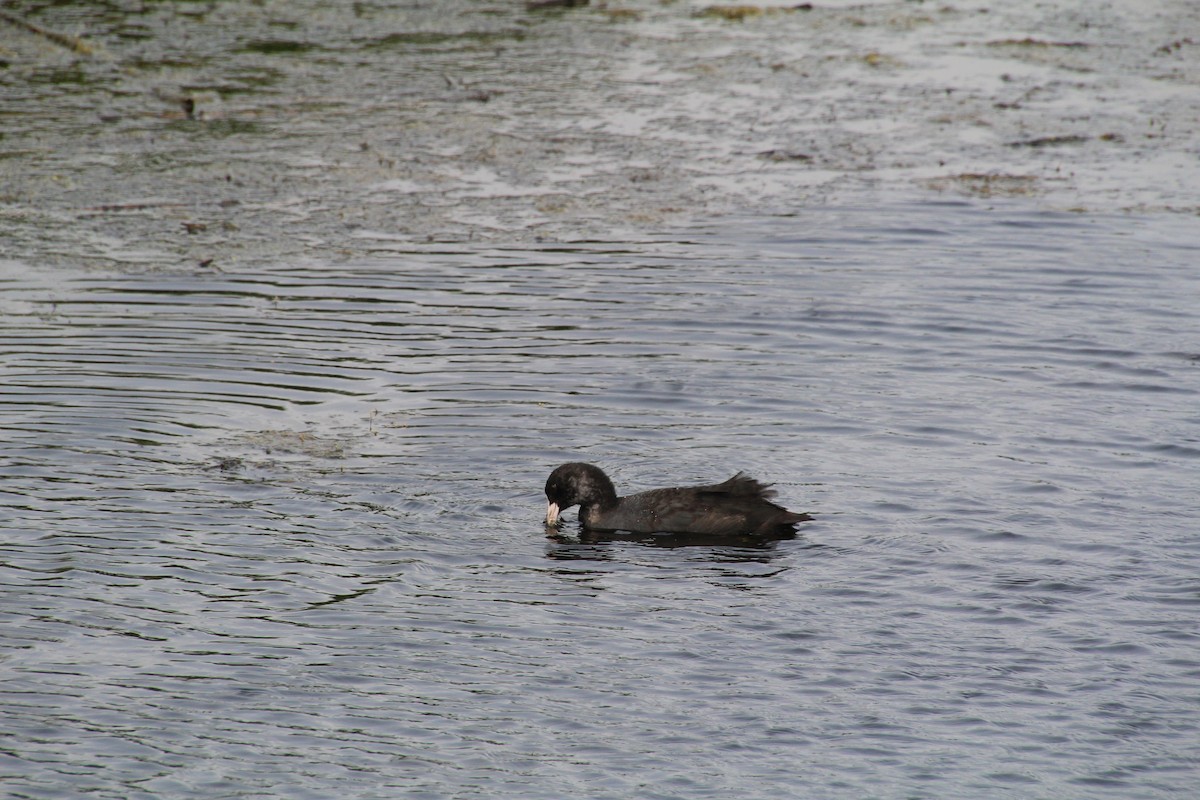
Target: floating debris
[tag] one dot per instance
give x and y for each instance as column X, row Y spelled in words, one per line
column 784, row 155
column 741, row 13
column 540, row 5
column 982, row 184
column 1029, row 41
column 70, row 42
column 1050, row 141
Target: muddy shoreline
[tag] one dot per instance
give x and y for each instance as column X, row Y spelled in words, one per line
column 219, row 135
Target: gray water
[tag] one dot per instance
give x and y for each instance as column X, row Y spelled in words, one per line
column 301, row 302
column 277, row 533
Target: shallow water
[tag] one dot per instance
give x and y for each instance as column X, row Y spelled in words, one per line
column 300, row 304
column 247, row 133
column 277, row 532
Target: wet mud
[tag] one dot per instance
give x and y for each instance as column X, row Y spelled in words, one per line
column 220, row 134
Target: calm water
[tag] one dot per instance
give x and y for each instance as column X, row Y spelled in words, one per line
column 277, row 533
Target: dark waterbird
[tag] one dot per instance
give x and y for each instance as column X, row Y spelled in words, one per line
column 738, row 507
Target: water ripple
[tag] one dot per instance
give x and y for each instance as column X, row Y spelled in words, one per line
column 297, row 511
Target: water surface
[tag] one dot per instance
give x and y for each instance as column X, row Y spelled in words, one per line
column 277, row 532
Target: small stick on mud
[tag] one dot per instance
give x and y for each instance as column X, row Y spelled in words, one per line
column 70, row 42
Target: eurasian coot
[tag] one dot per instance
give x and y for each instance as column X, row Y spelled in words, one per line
column 740, row 505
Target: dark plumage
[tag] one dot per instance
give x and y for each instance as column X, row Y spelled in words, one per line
column 739, row 506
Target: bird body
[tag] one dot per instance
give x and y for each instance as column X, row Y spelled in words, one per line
column 738, row 506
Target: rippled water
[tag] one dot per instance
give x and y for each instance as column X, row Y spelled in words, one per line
column 277, row 533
